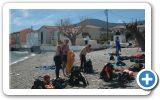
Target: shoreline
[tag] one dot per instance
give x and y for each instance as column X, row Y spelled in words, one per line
column 22, row 59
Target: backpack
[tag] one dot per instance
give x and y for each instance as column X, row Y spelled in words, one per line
column 124, row 77
column 132, row 58
column 38, row 84
column 143, row 56
column 76, row 77
column 107, row 70
column 88, row 68
column 139, row 60
column 121, row 58
column 59, row 83
column 111, row 57
column 136, row 67
column 120, row 63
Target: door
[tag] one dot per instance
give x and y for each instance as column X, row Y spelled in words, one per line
column 41, row 37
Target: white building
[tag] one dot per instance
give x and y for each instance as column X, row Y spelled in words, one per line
column 32, row 39
column 121, row 30
column 122, row 38
column 48, row 35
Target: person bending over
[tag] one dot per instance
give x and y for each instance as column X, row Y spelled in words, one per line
column 83, row 54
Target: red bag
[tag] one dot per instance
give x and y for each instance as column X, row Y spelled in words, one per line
column 108, row 71
column 138, row 56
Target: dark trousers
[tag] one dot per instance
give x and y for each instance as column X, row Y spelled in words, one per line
column 83, row 61
column 58, row 67
column 58, row 63
column 117, row 52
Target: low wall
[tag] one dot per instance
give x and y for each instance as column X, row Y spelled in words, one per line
column 53, row 48
column 74, row 48
column 123, row 45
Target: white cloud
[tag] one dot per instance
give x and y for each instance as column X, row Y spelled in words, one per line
column 46, row 20
column 20, row 19
column 120, row 21
column 25, row 13
column 17, row 21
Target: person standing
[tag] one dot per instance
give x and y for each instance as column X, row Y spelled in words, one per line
column 65, row 49
column 118, row 46
column 58, row 60
column 83, row 54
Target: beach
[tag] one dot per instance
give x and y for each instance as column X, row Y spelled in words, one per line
column 23, row 73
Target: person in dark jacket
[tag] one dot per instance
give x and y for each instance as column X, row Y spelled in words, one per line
column 58, row 60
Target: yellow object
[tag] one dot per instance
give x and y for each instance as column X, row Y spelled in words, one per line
column 49, row 86
column 70, row 61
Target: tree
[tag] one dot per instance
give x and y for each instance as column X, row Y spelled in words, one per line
column 104, row 36
column 140, row 37
column 70, row 30
column 129, row 36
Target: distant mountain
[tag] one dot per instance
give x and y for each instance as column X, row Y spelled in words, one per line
column 103, row 24
column 99, row 23
column 141, row 22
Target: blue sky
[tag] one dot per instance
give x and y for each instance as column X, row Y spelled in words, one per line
column 25, row 18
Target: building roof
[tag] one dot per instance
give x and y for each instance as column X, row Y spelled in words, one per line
column 119, row 27
column 27, row 30
column 124, row 27
column 92, row 26
column 50, row 28
column 140, row 26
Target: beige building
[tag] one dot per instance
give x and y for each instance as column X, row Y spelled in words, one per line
column 48, row 35
column 94, row 31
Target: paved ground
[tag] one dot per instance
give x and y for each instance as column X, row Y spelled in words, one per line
column 22, row 74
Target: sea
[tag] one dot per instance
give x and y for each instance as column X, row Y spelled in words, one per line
column 16, row 56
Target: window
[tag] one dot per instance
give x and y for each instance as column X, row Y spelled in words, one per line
column 52, row 36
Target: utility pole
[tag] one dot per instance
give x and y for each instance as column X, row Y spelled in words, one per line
column 106, row 13
column 132, row 20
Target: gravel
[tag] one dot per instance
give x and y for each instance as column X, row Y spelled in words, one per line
column 23, row 73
